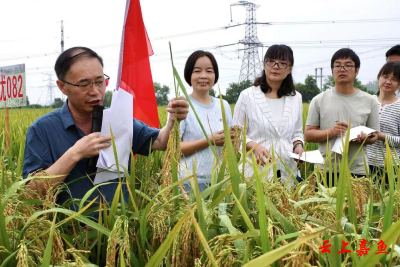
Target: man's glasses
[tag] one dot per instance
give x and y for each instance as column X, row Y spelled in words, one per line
column 85, row 86
column 272, row 63
column 345, row 67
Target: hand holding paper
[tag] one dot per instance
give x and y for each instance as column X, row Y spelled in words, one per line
column 354, row 133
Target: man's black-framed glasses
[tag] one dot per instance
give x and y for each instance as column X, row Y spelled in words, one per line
column 85, row 86
column 281, row 65
column 338, row 67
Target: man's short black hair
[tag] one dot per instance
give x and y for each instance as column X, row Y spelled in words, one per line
column 70, row 56
column 346, row 53
column 394, row 51
column 191, row 61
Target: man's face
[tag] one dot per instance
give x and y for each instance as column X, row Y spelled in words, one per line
column 84, row 71
column 344, row 71
column 393, row 58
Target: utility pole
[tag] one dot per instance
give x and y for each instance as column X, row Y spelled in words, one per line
column 251, row 65
column 62, row 49
column 318, row 76
column 62, row 36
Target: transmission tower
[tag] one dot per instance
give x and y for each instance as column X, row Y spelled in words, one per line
column 251, row 65
column 50, row 86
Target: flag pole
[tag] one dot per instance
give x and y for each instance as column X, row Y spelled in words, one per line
column 7, row 131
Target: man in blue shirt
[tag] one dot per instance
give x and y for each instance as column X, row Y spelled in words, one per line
column 60, row 142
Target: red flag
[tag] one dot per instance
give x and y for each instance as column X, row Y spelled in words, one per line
column 134, row 75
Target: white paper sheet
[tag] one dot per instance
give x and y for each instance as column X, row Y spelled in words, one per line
column 313, row 156
column 119, row 118
column 354, row 132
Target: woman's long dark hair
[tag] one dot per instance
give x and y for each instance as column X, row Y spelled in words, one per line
column 390, row 68
column 281, row 52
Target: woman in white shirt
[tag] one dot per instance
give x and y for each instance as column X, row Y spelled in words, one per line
column 201, row 72
column 273, row 112
column 389, row 118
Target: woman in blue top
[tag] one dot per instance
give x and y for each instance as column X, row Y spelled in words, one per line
column 201, row 72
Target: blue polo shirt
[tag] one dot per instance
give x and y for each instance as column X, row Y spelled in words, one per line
column 51, row 135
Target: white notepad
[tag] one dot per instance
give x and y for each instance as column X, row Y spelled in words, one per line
column 354, row 132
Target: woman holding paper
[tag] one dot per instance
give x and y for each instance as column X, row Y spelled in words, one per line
column 201, row 72
column 272, row 110
column 389, row 118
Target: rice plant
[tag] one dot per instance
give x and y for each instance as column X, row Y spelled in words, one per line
column 237, row 221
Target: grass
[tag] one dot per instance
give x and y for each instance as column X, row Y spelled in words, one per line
column 237, row 221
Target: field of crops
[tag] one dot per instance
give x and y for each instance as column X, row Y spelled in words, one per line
column 238, row 221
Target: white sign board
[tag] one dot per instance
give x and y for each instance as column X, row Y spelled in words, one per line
column 12, row 86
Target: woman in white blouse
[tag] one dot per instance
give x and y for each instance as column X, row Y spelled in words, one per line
column 273, row 112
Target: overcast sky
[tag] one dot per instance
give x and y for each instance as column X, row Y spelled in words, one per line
column 30, row 34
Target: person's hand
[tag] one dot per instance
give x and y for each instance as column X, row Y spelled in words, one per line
column 369, row 139
column 381, row 136
column 89, row 146
column 217, row 138
column 298, row 150
column 178, row 107
column 339, row 129
column 262, row 155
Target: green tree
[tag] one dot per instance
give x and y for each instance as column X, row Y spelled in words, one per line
column 58, row 103
column 107, row 99
column 329, row 82
column 309, row 89
column 161, row 94
column 212, row 92
column 234, row 89
column 372, row 86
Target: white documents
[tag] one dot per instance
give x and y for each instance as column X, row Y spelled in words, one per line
column 119, row 118
column 354, row 132
column 313, row 156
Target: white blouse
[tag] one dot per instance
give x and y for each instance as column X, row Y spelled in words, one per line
column 262, row 128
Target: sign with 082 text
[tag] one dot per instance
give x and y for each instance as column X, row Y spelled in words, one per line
column 12, row 86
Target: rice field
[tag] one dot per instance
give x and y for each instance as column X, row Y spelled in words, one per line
column 237, row 221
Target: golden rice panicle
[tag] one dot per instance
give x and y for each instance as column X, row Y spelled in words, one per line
column 237, row 132
column 224, row 251
column 186, row 247
column 307, row 253
column 22, row 255
column 118, row 241
column 173, row 152
column 113, row 241
column 361, row 192
column 159, row 211
column 279, row 196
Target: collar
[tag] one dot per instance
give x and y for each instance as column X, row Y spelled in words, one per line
column 66, row 116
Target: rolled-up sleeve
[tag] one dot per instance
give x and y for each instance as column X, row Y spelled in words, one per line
column 143, row 137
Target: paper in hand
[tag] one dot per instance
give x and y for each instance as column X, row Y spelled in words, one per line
column 313, row 156
column 119, row 118
column 354, row 132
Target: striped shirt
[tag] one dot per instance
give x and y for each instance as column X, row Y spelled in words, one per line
column 389, row 120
